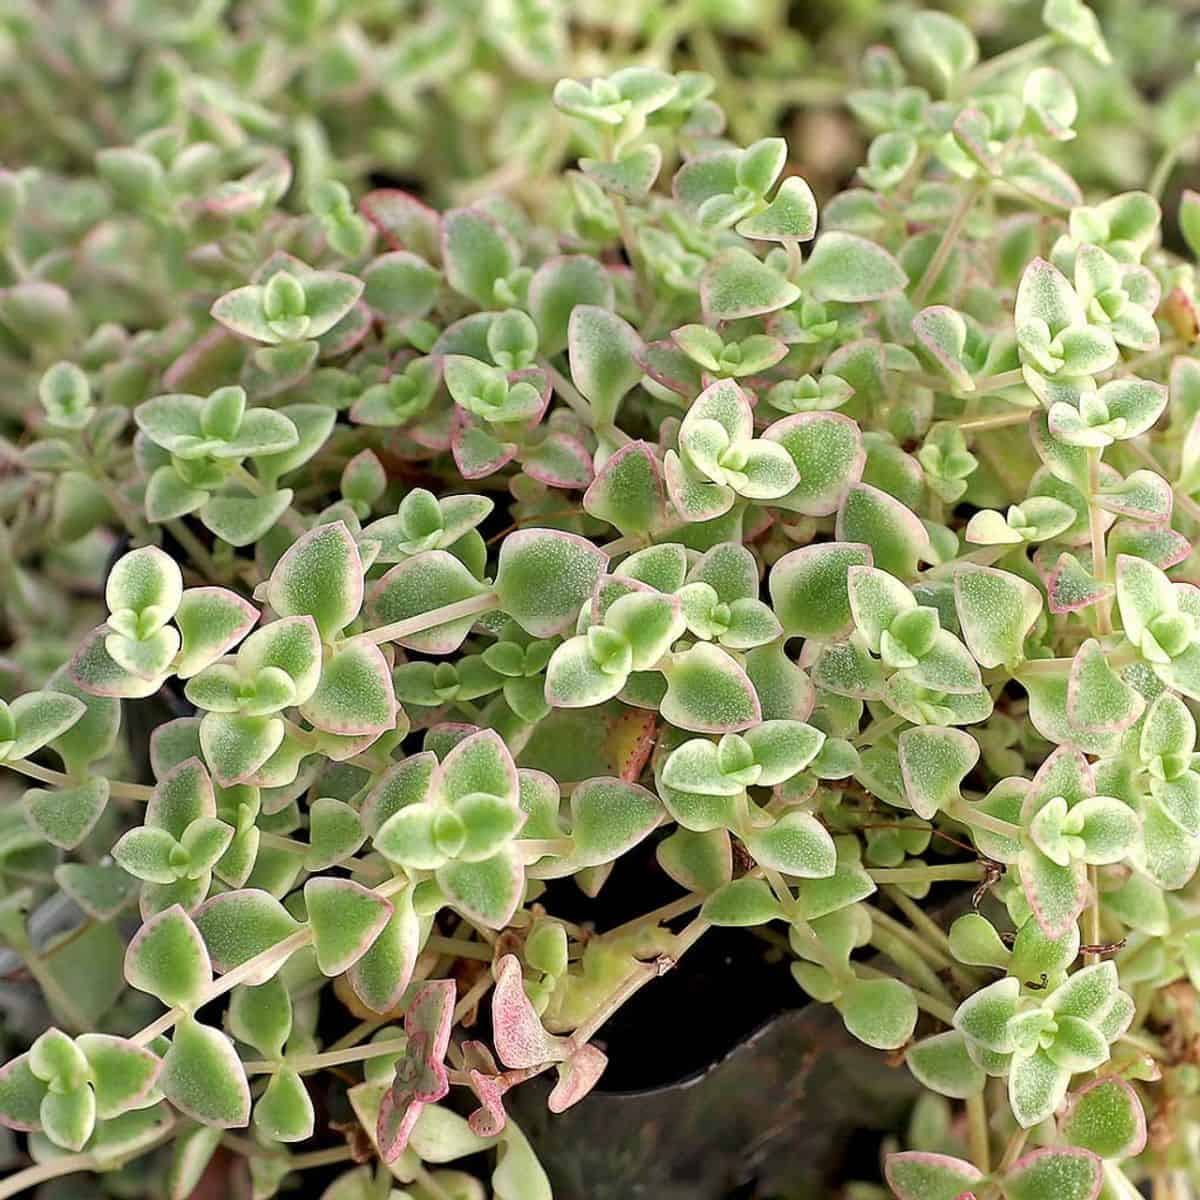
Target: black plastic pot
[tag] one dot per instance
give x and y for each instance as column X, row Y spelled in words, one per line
column 790, row 1112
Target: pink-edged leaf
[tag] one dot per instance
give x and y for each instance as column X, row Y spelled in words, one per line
column 517, row 1031
column 1157, row 544
column 211, row 620
column 560, row 461
column 1098, row 699
column 477, row 453
column 489, row 1086
column 355, row 694
column 404, row 222
column 1071, row 587
column 94, row 670
column 629, row 491
column 1053, row 1173
column 420, row 1076
column 1056, row 895
column 921, row 1175
column 1105, row 1117
column 576, row 1077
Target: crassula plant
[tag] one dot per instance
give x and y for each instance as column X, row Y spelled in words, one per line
column 380, row 574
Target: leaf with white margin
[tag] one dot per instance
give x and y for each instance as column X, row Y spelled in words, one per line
column 210, row 621
column 934, row 760
column 1054, row 1174
column 345, row 918
column 544, row 576
column 996, row 610
column 810, row 590
column 708, row 692
column 203, row 1076
column 942, row 1064
column 796, row 844
column 167, row 957
column 240, row 925
column 320, row 575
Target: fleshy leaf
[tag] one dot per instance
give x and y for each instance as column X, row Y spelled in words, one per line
column 204, row 1078
column 345, row 919
column 320, row 576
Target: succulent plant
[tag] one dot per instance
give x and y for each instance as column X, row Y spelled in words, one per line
column 370, row 566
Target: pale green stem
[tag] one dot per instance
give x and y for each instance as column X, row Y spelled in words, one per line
column 306, row 1063
column 567, row 390
column 70, row 1164
column 197, row 551
column 637, row 979
column 961, row 872
column 909, row 962
column 963, row 812
column 472, row 606
column 278, row 953
column 1009, row 60
column 116, row 788
column 535, row 848
column 1096, row 525
column 977, row 1131
column 950, row 236
column 996, row 421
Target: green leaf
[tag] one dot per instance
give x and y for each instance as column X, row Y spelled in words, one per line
column 897, row 538
column 828, row 453
column 21, row 1094
column 796, row 844
column 236, row 747
column 708, row 692
column 477, row 252
column 204, row 1078
column 1105, row 1117
column 880, row 1012
column 284, row 1112
column 921, row 1175
column 741, row 903
column 974, row 941
column 605, row 353
column 628, row 491
column 239, row 925
column 335, row 833
column 942, row 1064
column 36, row 719
column 261, row 1016
column 210, row 620
column 933, row 762
column 487, row 891
column 736, row 284
column 320, row 576
column 791, row 215
column 168, row 958
column 850, row 269
column 122, row 1073
column 985, row 1015
column 996, row 610
column 1054, row 1174
column 242, row 519
column 544, row 576
column 608, row 818
column 345, row 919
column 355, row 694
column 380, row 977
column 942, row 44
column 146, row 583
column 65, row 816
column 809, row 588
